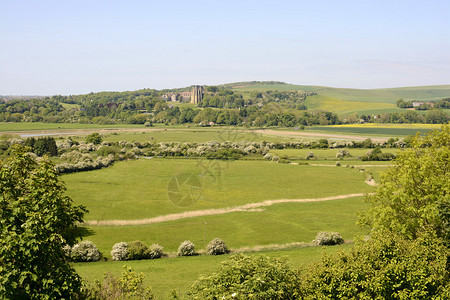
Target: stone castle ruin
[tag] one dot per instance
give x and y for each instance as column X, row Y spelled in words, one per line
column 197, row 94
column 194, row 96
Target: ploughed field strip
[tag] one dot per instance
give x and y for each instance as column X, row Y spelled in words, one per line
column 251, row 207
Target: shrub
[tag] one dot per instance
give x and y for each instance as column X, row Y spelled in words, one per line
column 385, row 266
column 327, row 238
column 119, row 251
column 186, row 249
column 129, row 286
column 155, row 251
column 106, row 150
column 309, row 155
column 137, row 250
column 217, row 247
column 338, row 164
column 94, row 138
column 342, row 153
column 248, row 277
column 85, row 251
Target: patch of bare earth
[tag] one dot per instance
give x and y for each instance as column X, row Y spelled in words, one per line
column 251, row 207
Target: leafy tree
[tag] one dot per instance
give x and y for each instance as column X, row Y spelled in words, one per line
column 436, row 116
column 94, row 138
column 36, row 221
column 415, row 193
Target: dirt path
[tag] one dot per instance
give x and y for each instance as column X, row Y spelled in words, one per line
column 312, row 134
column 251, row 207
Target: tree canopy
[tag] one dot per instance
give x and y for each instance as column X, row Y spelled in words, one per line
column 415, row 193
column 36, row 221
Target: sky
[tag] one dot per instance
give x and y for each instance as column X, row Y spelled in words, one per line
column 79, row 46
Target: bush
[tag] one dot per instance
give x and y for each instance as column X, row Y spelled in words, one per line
column 385, row 266
column 338, row 164
column 186, row 249
column 309, row 155
column 217, row 247
column 129, row 286
column 85, row 251
column 155, row 251
column 137, row 250
column 106, row 150
column 327, row 238
column 248, row 277
column 94, row 138
column 120, row 251
column 342, row 153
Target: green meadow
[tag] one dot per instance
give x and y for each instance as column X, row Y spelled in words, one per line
column 178, row 274
column 139, row 189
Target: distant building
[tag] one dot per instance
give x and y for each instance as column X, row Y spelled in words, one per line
column 420, row 103
column 194, row 96
column 197, row 94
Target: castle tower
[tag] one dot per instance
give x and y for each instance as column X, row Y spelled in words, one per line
column 197, row 94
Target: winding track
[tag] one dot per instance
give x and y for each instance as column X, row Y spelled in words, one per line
column 217, row 211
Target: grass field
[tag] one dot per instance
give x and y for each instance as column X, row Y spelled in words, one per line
column 193, row 135
column 166, row 275
column 372, row 131
column 390, row 95
column 277, row 224
column 28, row 126
column 346, row 100
column 342, row 106
column 138, row 189
column 327, row 154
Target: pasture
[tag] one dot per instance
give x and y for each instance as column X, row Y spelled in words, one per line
column 138, row 189
column 166, row 275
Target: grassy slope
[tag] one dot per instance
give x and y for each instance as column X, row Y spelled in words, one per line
column 368, row 101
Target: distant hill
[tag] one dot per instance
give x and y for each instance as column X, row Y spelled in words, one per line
column 345, row 100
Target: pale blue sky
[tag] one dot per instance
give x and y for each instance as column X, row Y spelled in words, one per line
column 78, row 46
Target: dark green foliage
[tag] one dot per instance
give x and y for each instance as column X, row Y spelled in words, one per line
column 42, row 146
column 248, row 277
column 36, row 221
column 225, row 154
column 94, row 138
column 387, row 266
column 377, row 155
column 137, row 250
column 404, row 104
